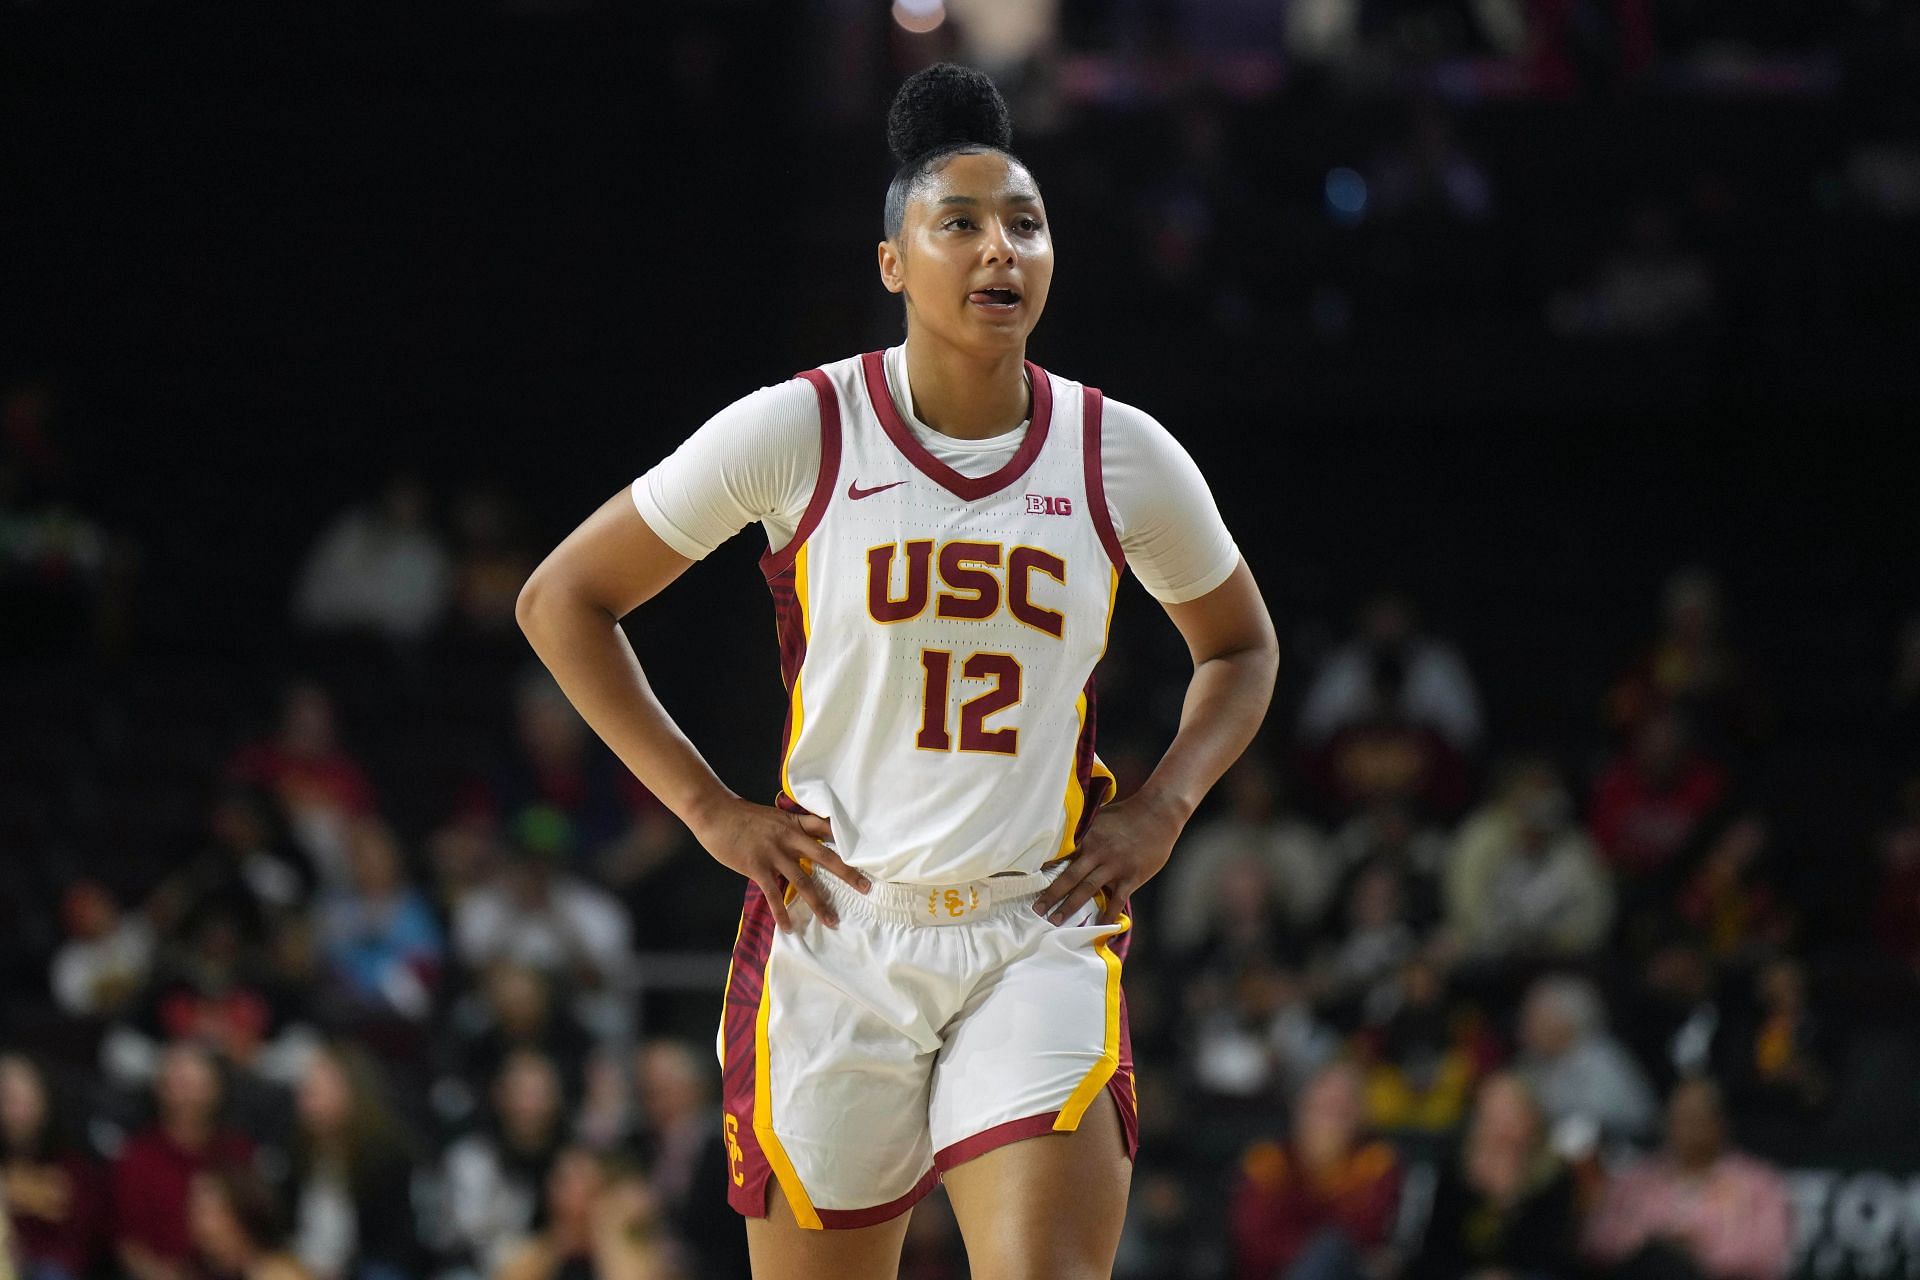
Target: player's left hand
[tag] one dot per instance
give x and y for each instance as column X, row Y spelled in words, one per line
column 1128, row 843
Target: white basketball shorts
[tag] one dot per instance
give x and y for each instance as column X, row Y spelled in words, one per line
column 935, row 1024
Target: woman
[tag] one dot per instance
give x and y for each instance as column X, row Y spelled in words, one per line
column 493, row 1176
column 1507, row 1208
column 238, row 1228
column 603, row 1223
column 353, row 1172
column 153, row 1171
column 54, row 1194
column 926, row 978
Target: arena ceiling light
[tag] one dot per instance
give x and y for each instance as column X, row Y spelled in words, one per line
column 919, row 16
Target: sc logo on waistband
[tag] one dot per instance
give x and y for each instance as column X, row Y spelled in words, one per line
column 956, row 904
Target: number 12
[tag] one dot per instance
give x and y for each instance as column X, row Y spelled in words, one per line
column 1002, row 669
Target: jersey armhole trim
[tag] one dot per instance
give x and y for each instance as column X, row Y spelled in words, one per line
column 775, row 563
column 1091, row 404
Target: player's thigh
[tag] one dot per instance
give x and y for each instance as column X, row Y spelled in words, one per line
column 781, row 1249
column 1049, row 1207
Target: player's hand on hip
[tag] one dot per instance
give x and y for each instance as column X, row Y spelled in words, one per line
column 772, row 848
column 1128, row 843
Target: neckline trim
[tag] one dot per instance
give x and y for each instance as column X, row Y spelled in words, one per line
column 968, row 488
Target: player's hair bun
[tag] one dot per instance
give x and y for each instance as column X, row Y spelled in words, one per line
column 946, row 105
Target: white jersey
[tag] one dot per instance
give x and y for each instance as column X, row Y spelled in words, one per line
column 938, row 635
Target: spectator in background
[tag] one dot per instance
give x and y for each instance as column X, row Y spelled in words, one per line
column 378, row 936
column 1670, row 1016
column 379, row 567
column 620, row 832
column 1386, row 758
column 1691, row 668
column 1650, row 802
column 686, row 1151
column 352, row 1181
column 1357, row 972
column 1246, row 923
column 1291, row 856
column 320, row 786
column 494, row 1176
column 219, row 992
column 1255, row 1038
column 514, row 1009
column 154, row 1172
column 539, row 915
column 1506, row 1205
column 249, row 867
column 1431, row 687
column 1390, row 832
column 1777, row 1060
column 107, row 957
column 1732, row 900
column 602, row 1220
column 239, row 1229
column 54, row 1194
column 492, row 563
column 1698, row 1208
column 1577, row 1071
column 1320, row 1205
column 465, row 855
column 1524, row 882
column 1423, row 1058
column 1253, row 1035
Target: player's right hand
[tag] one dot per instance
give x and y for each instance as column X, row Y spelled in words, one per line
column 767, row 846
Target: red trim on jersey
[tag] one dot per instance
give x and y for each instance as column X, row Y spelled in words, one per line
column 1091, row 404
column 968, row 488
column 773, row 562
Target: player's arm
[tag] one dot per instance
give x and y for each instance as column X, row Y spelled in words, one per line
column 1235, row 656
column 569, row 610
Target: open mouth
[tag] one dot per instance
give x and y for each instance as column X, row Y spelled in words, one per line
column 996, row 299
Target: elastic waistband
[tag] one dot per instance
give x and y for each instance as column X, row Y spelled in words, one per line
column 936, row 904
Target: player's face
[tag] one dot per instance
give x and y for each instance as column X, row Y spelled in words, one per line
column 974, row 255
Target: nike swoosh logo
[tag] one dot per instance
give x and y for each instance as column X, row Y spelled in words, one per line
column 855, row 492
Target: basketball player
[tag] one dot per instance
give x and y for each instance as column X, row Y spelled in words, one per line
column 926, row 980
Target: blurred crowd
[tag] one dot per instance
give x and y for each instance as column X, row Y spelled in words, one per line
column 1406, row 1002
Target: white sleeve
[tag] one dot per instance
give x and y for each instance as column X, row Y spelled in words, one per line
column 756, row 459
column 1164, row 514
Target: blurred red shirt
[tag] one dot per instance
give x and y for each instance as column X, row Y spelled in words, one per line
column 152, row 1177
column 1278, row 1207
column 1639, row 825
